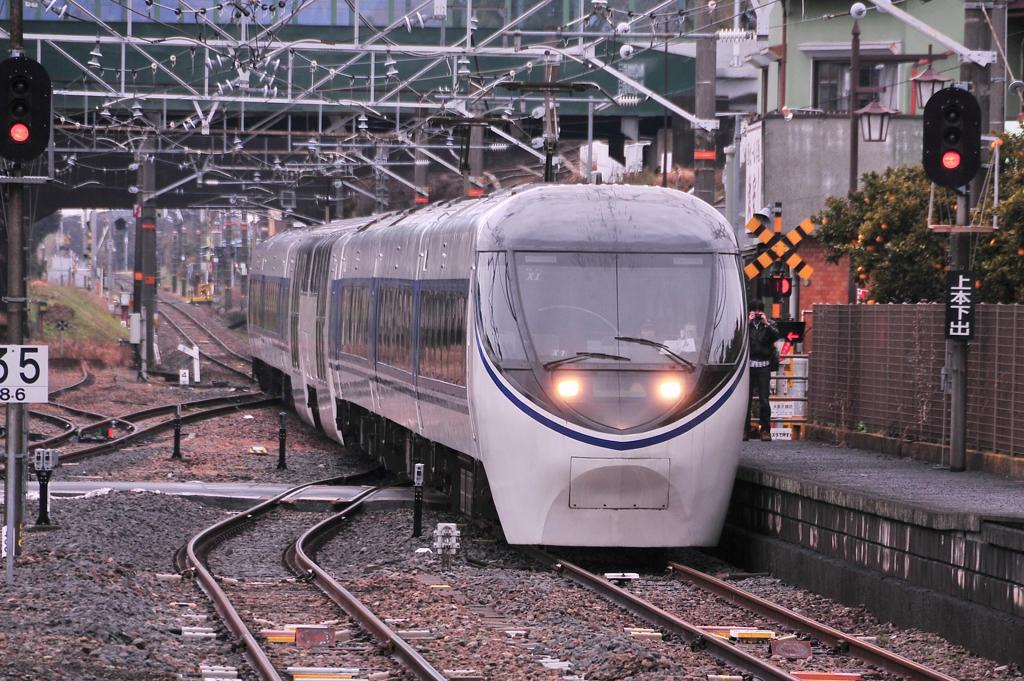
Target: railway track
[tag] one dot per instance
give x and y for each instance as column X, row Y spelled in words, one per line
column 658, row 605
column 132, row 428
column 294, row 595
column 837, row 640
column 188, row 327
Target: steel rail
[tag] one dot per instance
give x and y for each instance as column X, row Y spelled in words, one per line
column 178, row 307
column 86, row 380
column 192, row 559
column 54, row 420
column 302, row 554
column 869, row 652
column 193, row 417
column 207, row 355
column 719, row 648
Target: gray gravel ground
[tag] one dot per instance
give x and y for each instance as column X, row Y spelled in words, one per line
column 86, row 604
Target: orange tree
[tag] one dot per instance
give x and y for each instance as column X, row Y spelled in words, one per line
column 882, row 227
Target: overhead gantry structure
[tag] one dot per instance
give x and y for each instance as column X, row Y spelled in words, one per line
column 292, row 104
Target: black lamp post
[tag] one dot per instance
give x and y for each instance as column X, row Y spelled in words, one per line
column 876, row 117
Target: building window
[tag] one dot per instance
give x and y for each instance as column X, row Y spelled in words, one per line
column 832, row 85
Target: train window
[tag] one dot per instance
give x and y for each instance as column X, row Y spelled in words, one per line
column 355, row 319
column 728, row 320
column 394, row 326
column 443, row 333
column 498, row 324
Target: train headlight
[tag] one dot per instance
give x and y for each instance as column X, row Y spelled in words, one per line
column 567, row 388
column 670, row 389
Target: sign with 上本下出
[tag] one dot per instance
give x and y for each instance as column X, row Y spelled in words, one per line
column 959, row 305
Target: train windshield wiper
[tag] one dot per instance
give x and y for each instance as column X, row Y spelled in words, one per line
column 584, row 355
column 682, row 361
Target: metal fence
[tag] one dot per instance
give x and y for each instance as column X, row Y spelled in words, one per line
column 878, row 368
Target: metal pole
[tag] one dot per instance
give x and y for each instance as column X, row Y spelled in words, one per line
column 590, row 140
column 44, row 498
column 956, row 350
column 664, row 122
column 705, row 105
column 16, row 298
column 148, row 222
column 282, row 434
column 854, row 82
column 417, row 500
column 176, row 454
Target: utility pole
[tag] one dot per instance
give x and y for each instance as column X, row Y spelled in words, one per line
column 227, row 264
column 17, row 299
column 976, row 37
column 137, row 304
column 144, row 301
column 704, row 147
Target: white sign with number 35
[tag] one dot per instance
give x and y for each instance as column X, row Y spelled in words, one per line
column 24, row 373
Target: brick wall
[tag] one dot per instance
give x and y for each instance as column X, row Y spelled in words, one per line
column 828, row 285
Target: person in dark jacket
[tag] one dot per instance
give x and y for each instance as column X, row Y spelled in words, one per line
column 763, row 333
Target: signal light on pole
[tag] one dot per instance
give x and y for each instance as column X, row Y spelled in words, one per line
column 778, row 287
column 951, row 148
column 20, row 133
column 25, row 101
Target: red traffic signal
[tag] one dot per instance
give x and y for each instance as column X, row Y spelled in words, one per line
column 951, row 146
column 19, row 133
column 778, row 286
column 25, row 109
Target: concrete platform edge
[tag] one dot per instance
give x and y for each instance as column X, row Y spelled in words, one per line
column 986, row 632
column 932, row 452
column 894, row 510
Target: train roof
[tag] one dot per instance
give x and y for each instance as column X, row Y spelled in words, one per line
column 603, row 217
column 576, row 217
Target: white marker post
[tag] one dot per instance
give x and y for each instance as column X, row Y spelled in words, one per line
column 192, row 352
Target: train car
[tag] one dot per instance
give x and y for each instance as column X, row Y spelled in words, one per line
column 572, row 356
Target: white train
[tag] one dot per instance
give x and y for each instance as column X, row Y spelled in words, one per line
column 573, row 354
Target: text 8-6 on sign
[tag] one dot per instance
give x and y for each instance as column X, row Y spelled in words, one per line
column 24, row 373
column 959, row 305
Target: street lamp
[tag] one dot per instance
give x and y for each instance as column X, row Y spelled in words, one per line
column 874, row 121
column 876, row 116
column 928, row 83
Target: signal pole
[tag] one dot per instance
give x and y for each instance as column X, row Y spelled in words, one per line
column 976, row 37
column 14, row 490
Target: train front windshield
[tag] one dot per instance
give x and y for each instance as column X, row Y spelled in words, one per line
column 621, row 342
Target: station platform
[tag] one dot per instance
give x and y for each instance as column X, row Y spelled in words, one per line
column 915, row 543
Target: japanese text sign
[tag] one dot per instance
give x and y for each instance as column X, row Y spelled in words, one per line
column 960, row 296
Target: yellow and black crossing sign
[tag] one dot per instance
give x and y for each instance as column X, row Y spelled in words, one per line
column 781, row 247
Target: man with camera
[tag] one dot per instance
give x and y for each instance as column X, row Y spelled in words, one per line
column 764, row 359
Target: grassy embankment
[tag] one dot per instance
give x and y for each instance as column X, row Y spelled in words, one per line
column 93, row 331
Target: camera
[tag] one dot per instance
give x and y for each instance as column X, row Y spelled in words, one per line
column 858, row 10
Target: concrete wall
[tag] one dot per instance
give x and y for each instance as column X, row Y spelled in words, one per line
column 807, row 159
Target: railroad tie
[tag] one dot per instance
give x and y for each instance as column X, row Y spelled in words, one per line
column 325, row 673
